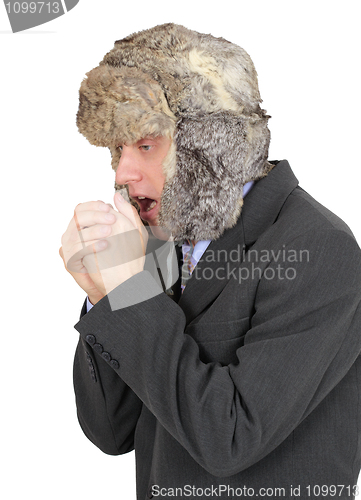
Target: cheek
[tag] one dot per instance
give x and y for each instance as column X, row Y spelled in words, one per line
column 161, row 182
column 158, row 179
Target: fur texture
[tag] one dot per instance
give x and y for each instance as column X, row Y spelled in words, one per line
column 216, row 155
column 202, row 92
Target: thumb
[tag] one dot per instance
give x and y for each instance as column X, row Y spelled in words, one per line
column 124, row 207
column 127, row 209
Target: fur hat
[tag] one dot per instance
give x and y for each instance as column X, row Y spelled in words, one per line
column 201, row 92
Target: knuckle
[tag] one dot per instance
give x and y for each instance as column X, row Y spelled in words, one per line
column 65, row 239
column 78, row 207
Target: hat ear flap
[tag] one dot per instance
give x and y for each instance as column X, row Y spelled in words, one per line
column 258, row 138
column 216, row 155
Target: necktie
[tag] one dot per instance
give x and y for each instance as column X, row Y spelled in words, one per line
column 188, row 266
column 175, row 291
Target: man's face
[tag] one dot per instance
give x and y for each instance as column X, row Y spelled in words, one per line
column 140, row 167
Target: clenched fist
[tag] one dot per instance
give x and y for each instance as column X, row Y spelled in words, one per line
column 103, row 247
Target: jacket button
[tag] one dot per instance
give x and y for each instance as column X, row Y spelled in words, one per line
column 90, row 339
column 106, row 356
column 114, row 364
column 98, row 348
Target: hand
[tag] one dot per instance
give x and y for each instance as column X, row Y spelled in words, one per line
column 92, row 214
column 124, row 249
column 83, row 244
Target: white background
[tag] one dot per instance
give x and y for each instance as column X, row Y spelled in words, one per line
column 307, row 55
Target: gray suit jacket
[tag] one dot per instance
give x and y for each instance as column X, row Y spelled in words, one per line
column 252, row 380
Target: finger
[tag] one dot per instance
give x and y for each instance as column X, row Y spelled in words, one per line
column 78, row 222
column 123, row 248
column 85, row 218
column 89, row 206
column 75, row 263
column 61, row 253
column 131, row 213
column 128, row 210
column 78, row 235
column 92, row 205
column 91, row 217
column 96, row 232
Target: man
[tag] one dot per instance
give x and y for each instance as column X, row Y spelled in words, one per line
column 249, row 383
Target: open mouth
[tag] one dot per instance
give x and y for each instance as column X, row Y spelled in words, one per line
column 146, row 204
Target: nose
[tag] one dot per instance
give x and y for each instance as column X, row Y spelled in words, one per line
column 128, row 170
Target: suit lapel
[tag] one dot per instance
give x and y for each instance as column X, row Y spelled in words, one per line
column 209, row 276
column 265, row 200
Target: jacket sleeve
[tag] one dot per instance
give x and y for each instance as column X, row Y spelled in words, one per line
column 304, row 336
column 108, row 410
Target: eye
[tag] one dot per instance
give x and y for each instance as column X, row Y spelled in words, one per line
column 145, row 147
